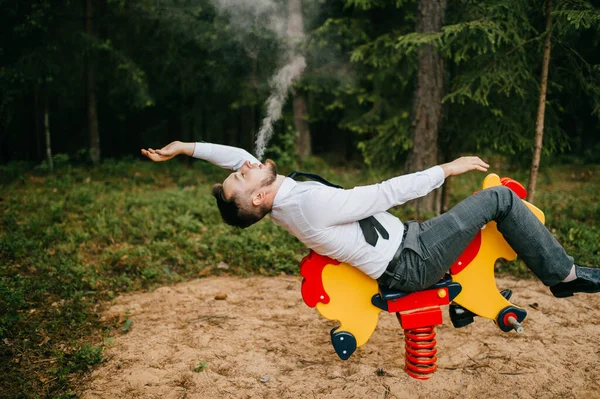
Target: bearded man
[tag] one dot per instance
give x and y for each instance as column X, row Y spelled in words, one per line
column 354, row 227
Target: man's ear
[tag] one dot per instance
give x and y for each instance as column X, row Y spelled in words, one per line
column 258, row 198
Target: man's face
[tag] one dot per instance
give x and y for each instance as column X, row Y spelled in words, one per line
column 249, row 178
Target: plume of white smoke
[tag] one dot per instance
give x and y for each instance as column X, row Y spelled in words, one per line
column 280, row 85
column 246, row 15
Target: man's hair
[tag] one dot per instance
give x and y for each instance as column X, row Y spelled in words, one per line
column 236, row 213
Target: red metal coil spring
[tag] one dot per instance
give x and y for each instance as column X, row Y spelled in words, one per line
column 420, row 352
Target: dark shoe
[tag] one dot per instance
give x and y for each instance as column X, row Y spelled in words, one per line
column 460, row 316
column 588, row 280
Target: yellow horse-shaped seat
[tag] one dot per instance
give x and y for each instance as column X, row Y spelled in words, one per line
column 343, row 293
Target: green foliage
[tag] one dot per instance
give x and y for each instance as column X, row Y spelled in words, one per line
column 576, row 14
column 283, row 148
column 493, row 52
column 202, row 366
column 372, row 97
column 127, row 325
column 12, row 301
column 173, row 69
column 72, row 363
column 84, row 358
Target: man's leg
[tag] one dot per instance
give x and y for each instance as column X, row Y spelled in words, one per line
column 445, row 237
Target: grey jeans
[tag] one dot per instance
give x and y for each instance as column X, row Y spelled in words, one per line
column 430, row 248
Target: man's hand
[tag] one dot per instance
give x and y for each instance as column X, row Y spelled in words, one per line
column 169, row 151
column 463, row 165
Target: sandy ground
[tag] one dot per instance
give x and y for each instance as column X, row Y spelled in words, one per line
column 264, row 342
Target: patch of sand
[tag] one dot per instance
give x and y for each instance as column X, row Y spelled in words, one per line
column 264, row 342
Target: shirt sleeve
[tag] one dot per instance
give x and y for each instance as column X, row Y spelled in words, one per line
column 329, row 206
column 223, row 155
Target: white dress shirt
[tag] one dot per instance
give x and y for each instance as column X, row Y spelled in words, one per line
column 325, row 219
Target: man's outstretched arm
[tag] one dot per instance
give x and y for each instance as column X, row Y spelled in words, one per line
column 335, row 207
column 221, row 155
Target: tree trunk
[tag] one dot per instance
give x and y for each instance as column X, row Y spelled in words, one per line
column 539, row 123
column 296, row 33
column 303, row 139
column 184, row 119
column 92, row 113
column 428, row 102
column 203, row 123
column 446, row 194
column 37, row 119
column 47, row 134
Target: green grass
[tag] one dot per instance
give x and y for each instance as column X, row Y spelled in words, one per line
column 200, row 367
column 76, row 237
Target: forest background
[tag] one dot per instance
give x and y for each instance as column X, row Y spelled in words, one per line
column 388, row 87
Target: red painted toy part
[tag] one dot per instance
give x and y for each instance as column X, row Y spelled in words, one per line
column 420, row 352
column 311, row 268
column 506, row 316
column 515, row 186
column 467, row 256
column 421, row 318
column 419, row 299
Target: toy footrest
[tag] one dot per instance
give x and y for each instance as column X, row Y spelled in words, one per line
column 389, row 294
column 441, row 293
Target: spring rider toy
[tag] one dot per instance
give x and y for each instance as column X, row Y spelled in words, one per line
column 344, row 293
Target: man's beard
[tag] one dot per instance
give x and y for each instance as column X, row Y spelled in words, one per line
column 272, row 168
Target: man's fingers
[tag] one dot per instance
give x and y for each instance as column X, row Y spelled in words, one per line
column 151, row 155
column 482, row 166
column 479, row 164
column 159, row 155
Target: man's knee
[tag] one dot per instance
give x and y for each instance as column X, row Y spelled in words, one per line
column 503, row 198
column 501, row 191
column 500, row 194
